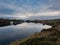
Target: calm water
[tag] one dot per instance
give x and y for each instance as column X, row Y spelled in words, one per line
column 13, row 32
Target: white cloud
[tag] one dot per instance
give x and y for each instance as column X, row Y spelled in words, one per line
column 27, row 15
column 26, row 11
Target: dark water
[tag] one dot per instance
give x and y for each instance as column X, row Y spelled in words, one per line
column 13, row 32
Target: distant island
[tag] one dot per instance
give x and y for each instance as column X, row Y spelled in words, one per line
column 7, row 22
column 49, row 36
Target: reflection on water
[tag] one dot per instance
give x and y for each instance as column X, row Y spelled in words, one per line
column 23, row 30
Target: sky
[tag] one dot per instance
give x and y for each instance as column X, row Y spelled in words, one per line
column 29, row 9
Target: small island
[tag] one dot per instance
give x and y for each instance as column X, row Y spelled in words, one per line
column 7, row 22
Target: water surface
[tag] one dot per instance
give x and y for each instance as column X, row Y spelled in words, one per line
column 13, row 32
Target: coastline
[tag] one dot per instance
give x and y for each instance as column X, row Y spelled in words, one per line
column 46, row 36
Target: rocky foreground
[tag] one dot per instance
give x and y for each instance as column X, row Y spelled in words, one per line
column 45, row 37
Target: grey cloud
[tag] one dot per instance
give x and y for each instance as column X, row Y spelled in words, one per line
column 11, row 9
column 55, row 5
column 43, row 17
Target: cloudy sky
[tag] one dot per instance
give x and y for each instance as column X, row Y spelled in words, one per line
column 29, row 8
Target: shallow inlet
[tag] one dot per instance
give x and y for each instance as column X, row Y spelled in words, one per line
column 13, row 32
